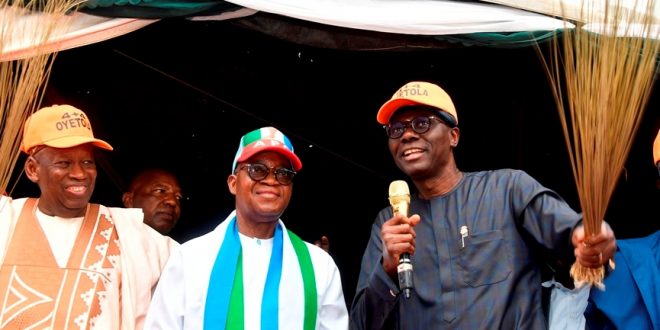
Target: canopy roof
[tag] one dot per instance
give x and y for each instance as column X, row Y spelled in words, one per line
column 102, row 20
column 500, row 23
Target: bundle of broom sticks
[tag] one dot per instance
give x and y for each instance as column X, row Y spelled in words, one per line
column 23, row 81
column 602, row 73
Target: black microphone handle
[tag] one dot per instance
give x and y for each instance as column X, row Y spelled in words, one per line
column 405, row 270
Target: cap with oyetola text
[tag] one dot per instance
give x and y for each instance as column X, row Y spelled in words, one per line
column 419, row 93
column 265, row 139
column 59, row 126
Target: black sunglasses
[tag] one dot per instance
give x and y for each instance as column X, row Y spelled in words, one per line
column 258, row 172
column 419, row 124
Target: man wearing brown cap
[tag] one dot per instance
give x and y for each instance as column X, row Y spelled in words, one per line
column 472, row 237
column 251, row 272
column 67, row 263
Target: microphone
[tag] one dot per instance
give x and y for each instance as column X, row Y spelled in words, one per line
column 399, row 196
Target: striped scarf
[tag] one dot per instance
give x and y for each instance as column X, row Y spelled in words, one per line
column 225, row 304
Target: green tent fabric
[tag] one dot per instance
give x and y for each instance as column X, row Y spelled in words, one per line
column 153, row 9
column 501, row 40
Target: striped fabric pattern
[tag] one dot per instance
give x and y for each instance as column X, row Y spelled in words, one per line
column 261, row 138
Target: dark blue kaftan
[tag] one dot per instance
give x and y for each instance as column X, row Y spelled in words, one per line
column 494, row 282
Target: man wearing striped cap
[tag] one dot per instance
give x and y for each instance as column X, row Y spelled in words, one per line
column 251, row 272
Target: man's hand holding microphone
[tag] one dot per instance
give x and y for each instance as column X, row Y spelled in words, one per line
column 398, row 237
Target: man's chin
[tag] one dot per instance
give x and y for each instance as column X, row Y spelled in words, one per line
column 163, row 222
column 77, row 204
column 167, row 218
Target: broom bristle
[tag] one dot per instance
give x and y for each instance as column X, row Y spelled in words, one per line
column 602, row 74
column 23, row 81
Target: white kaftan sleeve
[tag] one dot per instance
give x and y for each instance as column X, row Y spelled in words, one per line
column 333, row 314
column 167, row 305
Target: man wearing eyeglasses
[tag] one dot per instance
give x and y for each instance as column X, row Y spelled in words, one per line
column 251, row 272
column 474, row 237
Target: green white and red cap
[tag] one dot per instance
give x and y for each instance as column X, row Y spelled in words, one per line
column 265, row 139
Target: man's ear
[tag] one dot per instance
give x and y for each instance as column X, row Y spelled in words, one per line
column 31, row 166
column 455, row 136
column 127, row 199
column 231, row 184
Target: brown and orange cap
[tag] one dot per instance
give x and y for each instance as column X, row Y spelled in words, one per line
column 419, row 93
column 59, row 126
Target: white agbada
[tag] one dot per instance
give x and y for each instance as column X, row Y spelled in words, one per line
column 144, row 253
column 180, row 296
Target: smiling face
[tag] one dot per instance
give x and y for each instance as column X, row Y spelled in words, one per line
column 423, row 155
column 259, row 204
column 66, row 178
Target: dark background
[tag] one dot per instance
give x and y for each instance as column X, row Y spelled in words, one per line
column 180, row 94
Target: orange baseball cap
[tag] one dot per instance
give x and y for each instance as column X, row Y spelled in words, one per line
column 418, row 93
column 59, row 126
column 656, row 149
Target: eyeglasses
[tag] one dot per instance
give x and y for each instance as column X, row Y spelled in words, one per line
column 420, row 125
column 258, row 172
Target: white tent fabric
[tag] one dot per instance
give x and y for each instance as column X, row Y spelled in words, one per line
column 615, row 17
column 588, row 11
column 69, row 31
column 420, row 17
column 412, row 17
column 75, row 30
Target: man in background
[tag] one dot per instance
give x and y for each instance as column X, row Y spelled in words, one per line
column 158, row 193
column 67, row 263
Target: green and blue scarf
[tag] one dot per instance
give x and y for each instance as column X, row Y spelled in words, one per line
column 224, row 307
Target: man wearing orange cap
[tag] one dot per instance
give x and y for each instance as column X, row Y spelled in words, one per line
column 251, row 272
column 474, row 238
column 67, row 263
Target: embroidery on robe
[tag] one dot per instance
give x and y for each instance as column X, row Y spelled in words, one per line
column 39, row 294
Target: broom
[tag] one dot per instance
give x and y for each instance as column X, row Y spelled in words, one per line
column 606, row 67
column 23, row 81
